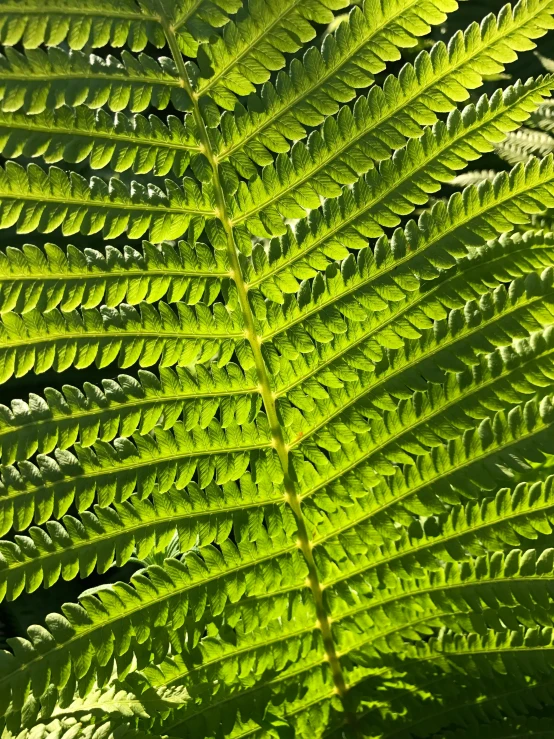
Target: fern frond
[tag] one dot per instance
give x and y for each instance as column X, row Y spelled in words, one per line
column 145, row 463
column 194, row 21
column 331, row 475
column 462, row 469
column 184, row 586
column 34, row 200
column 495, row 578
column 125, row 407
column 43, row 279
column 40, row 80
column 469, row 597
column 370, row 369
column 429, row 419
column 491, row 524
column 371, row 324
column 444, row 464
column 543, row 117
column 313, row 88
column 509, row 519
column 121, row 143
column 60, row 729
column 402, row 183
column 451, row 649
column 106, row 711
column 545, row 61
column 348, row 145
column 191, row 334
column 242, row 687
column 92, row 22
column 473, row 177
column 419, row 708
column 440, row 237
column 253, row 47
column 98, row 23
column 135, row 527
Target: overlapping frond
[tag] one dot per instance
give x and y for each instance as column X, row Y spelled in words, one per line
column 104, row 712
column 522, row 144
column 427, row 702
column 161, row 597
column 460, row 594
column 543, row 118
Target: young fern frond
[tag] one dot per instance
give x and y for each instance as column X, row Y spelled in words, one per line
column 320, row 427
column 535, row 140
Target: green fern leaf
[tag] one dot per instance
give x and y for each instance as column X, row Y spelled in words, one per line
column 311, row 416
column 49, row 277
column 32, row 199
column 117, row 23
column 73, row 135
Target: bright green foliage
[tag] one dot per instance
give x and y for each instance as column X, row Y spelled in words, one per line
column 120, row 142
column 48, row 277
column 314, row 410
column 98, row 23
